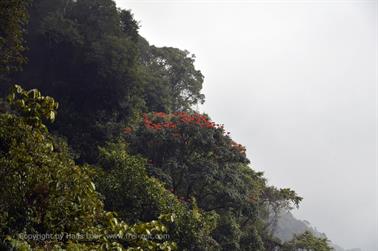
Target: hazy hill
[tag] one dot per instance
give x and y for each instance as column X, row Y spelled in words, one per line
column 288, row 226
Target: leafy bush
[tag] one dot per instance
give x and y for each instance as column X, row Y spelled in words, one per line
column 129, row 191
column 45, row 192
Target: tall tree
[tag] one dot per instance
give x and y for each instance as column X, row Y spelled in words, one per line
column 84, row 54
column 195, row 157
column 307, row 241
column 13, row 18
column 135, row 196
column 171, row 81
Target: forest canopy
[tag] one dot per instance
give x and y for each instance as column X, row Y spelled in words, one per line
column 101, row 147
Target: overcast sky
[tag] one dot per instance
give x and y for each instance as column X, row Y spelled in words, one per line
column 295, row 82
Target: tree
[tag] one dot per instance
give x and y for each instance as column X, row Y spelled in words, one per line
column 84, row 53
column 13, row 18
column 45, row 192
column 275, row 201
column 171, row 81
column 190, row 153
column 135, row 197
column 195, row 157
column 89, row 56
column 308, row 242
column 32, row 106
column 184, row 176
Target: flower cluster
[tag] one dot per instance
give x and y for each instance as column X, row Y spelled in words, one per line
column 148, row 123
column 161, row 120
column 128, row 130
column 240, row 148
column 173, row 122
column 196, row 118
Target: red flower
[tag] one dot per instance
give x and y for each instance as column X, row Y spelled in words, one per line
column 128, row 130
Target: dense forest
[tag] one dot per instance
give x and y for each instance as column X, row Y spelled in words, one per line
column 101, row 147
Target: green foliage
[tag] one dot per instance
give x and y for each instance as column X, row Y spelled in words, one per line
column 195, row 157
column 273, row 201
column 13, row 18
column 308, row 242
column 129, row 25
column 187, row 184
column 84, row 53
column 44, row 191
column 280, row 199
column 228, row 233
column 188, row 152
column 129, row 191
column 118, row 236
column 87, row 54
column 32, row 106
column 171, row 82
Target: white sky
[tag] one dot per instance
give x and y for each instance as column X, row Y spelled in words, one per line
column 294, row 81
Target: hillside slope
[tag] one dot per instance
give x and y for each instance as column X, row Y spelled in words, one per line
column 288, row 226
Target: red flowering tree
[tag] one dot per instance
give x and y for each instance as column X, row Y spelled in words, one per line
column 196, row 158
column 193, row 156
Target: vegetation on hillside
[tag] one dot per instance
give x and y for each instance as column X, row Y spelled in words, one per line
column 124, row 162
